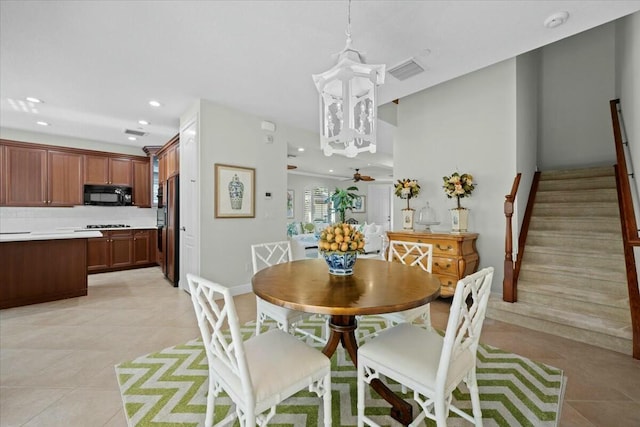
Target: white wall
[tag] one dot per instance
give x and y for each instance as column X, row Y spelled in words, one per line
column 300, row 183
column 577, row 81
column 66, row 141
column 465, row 125
column 628, row 87
column 628, row 80
column 233, row 137
column 527, row 67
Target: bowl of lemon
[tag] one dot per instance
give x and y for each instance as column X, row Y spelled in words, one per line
column 340, row 244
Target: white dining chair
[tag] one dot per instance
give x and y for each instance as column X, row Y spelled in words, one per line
column 265, row 255
column 430, row 365
column 414, row 254
column 257, row 374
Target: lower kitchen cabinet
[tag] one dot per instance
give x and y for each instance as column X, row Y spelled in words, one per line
column 121, row 250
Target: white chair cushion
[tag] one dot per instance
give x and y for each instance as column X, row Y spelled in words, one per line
column 278, row 361
column 419, row 358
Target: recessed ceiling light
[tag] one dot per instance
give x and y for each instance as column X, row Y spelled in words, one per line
column 34, row 100
column 41, row 123
column 132, row 138
column 556, row 19
column 143, row 122
column 155, row 103
column 300, row 149
column 330, row 170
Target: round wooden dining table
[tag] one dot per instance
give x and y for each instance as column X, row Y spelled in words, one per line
column 375, row 287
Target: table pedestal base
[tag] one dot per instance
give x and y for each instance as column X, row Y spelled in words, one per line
column 343, row 331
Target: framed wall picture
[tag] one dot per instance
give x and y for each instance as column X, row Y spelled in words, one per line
column 360, row 205
column 235, row 191
column 290, row 204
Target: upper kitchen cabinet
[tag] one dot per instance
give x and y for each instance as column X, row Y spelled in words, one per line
column 64, row 184
column 25, row 176
column 107, row 170
column 141, row 183
column 169, row 159
column 41, row 177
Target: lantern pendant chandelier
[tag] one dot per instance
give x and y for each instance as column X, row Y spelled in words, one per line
column 348, row 102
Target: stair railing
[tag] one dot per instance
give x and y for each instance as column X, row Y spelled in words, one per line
column 630, row 237
column 508, row 283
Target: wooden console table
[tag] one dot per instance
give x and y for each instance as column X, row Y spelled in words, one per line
column 454, row 255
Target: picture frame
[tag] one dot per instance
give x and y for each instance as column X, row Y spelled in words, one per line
column 235, row 195
column 360, row 205
column 290, row 204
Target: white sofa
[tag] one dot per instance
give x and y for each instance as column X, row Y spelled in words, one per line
column 373, row 236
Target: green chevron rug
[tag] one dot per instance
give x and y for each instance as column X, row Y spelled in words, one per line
column 168, row 388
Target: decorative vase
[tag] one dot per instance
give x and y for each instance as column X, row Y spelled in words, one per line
column 459, row 220
column 236, row 191
column 407, row 219
column 341, row 263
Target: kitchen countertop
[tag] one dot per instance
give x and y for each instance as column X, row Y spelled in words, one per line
column 48, row 235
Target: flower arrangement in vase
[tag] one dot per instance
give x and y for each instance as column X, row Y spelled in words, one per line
column 340, row 244
column 459, row 186
column 407, row 189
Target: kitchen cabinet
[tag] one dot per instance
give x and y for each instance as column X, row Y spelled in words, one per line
column 2, row 177
column 454, row 255
column 102, row 170
column 169, row 159
column 41, row 177
column 144, row 243
column 141, row 183
column 64, row 183
column 42, row 270
column 121, row 250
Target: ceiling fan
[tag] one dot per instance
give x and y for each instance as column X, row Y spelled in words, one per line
column 357, row 177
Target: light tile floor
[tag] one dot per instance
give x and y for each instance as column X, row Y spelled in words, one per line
column 57, row 359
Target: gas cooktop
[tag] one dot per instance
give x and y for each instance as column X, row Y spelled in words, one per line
column 108, row 226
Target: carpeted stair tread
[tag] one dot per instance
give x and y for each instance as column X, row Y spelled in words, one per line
column 593, row 303
column 571, row 196
column 565, row 223
column 592, row 241
column 579, row 257
column 577, row 173
column 546, row 184
column 580, row 209
column 576, row 320
column 575, row 276
column 595, row 296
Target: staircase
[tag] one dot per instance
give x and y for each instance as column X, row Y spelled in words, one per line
column 572, row 280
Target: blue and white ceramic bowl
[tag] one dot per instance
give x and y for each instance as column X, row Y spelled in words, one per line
column 341, row 263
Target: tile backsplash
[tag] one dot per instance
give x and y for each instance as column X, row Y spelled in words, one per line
column 47, row 219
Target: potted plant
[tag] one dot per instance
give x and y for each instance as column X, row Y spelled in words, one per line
column 407, row 189
column 459, row 186
column 343, row 200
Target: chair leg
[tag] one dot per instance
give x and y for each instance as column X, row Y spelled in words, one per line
column 211, row 395
column 326, row 398
column 472, row 384
column 441, row 412
column 259, row 322
column 361, row 386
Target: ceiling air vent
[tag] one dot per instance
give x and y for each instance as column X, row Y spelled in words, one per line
column 405, row 70
column 135, row 132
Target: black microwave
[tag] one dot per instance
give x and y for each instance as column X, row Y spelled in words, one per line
column 107, row 195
